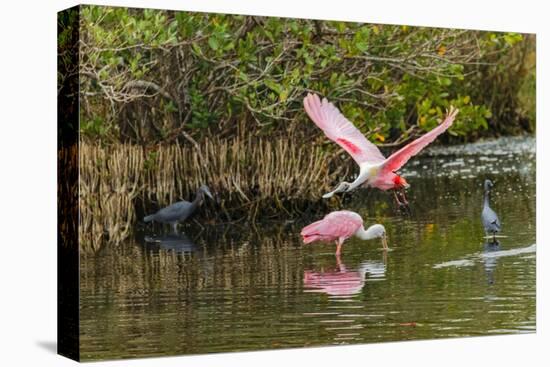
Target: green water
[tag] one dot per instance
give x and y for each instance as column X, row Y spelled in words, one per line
column 229, row 288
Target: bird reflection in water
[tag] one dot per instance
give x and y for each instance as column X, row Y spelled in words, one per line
column 178, row 243
column 490, row 262
column 342, row 282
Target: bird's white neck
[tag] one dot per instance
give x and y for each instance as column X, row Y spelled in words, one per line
column 368, row 234
column 366, row 172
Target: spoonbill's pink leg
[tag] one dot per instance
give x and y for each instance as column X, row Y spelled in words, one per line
column 404, row 197
column 402, row 204
column 405, row 201
column 339, row 243
column 398, row 202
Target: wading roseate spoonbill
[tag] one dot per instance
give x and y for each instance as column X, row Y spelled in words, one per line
column 374, row 169
column 489, row 218
column 339, row 226
column 180, row 211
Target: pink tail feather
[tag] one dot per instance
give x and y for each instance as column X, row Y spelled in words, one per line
column 311, row 233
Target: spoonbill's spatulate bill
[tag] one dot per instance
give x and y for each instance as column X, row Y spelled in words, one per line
column 489, row 218
column 180, row 211
column 374, row 169
column 339, row 226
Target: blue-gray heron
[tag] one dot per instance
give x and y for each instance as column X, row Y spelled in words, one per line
column 180, row 211
column 489, row 218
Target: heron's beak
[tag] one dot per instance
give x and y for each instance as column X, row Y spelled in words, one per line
column 207, row 192
column 385, row 242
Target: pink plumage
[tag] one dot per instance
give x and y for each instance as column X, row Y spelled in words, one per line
column 336, row 226
column 376, row 170
column 339, row 226
column 402, row 156
column 334, row 283
column 340, row 130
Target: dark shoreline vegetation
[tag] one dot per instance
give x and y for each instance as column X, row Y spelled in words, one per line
column 171, row 100
column 253, row 179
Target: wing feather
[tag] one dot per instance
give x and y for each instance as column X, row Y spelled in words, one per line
column 402, row 156
column 340, row 130
column 344, row 223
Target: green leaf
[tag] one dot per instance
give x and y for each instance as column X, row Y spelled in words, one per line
column 229, row 46
column 362, row 46
column 512, row 38
column 273, row 86
column 196, row 48
column 213, row 43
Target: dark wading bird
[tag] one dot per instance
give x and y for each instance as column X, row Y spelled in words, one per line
column 375, row 170
column 180, row 211
column 489, row 218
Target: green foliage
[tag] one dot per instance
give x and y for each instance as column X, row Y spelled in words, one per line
column 212, row 72
column 150, row 160
column 95, row 127
column 201, row 116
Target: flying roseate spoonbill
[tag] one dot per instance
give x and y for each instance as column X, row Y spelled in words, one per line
column 489, row 218
column 374, row 169
column 180, row 211
column 340, row 225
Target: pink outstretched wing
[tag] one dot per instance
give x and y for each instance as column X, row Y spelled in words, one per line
column 340, row 224
column 340, row 130
column 399, row 158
